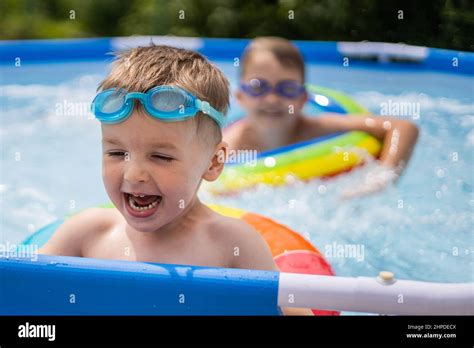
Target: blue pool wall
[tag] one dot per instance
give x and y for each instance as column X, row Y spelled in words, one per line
column 36, row 51
column 64, row 285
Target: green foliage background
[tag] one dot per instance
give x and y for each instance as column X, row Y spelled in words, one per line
column 437, row 23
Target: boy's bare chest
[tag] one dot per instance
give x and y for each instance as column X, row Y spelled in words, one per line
column 189, row 251
column 249, row 139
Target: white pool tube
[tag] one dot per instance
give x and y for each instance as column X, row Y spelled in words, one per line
column 383, row 295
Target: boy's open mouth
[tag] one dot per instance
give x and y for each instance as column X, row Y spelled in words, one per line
column 142, row 205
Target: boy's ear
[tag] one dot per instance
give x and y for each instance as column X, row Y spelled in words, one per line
column 217, row 162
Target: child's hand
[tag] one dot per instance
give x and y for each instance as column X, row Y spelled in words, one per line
column 374, row 181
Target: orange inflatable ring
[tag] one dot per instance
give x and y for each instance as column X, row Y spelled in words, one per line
column 291, row 252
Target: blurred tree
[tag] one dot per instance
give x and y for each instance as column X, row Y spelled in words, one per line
column 436, row 23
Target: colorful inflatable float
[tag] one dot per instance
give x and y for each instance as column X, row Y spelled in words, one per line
column 317, row 158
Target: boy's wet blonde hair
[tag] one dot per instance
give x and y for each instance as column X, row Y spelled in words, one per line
column 285, row 52
column 142, row 68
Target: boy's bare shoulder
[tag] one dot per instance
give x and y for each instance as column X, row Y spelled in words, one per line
column 244, row 245
column 230, row 229
column 239, row 136
column 99, row 219
column 79, row 229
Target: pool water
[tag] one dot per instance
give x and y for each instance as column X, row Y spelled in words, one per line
column 421, row 229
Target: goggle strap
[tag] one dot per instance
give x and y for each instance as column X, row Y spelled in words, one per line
column 207, row 109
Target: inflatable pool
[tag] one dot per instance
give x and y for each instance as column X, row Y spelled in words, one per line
column 292, row 252
column 317, row 158
column 58, row 285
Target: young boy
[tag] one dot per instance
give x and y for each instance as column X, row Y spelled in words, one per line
column 158, row 144
column 272, row 92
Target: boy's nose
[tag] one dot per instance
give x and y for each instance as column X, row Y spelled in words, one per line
column 135, row 173
column 271, row 98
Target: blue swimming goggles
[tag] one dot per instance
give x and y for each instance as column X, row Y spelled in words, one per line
column 166, row 103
